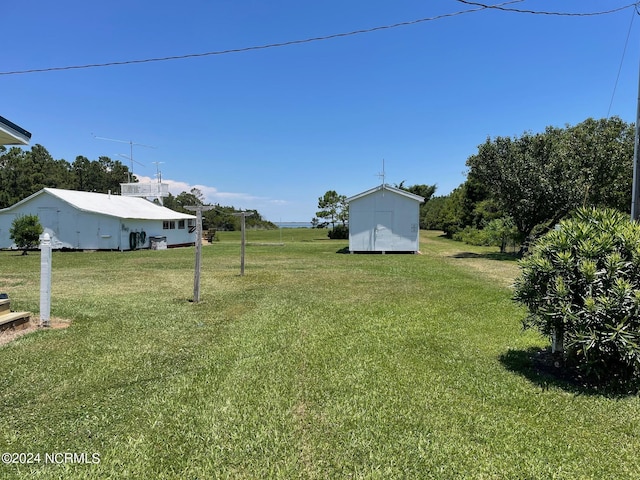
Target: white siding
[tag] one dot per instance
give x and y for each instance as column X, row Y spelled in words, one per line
column 384, row 221
column 72, row 228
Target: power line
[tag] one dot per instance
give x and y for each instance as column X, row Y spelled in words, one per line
column 539, row 12
column 480, row 6
column 624, row 51
column 260, row 47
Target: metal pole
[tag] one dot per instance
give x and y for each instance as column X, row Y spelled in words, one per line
column 635, row 193
column 45, row 280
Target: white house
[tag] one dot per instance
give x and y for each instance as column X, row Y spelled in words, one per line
column 384, row 219
column 12, row 134
column 98, row 221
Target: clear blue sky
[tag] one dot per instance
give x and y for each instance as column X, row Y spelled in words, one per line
column 273, row 129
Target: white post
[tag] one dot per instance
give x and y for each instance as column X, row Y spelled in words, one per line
column 45, row 280
column 243, row 242
column 196, row 278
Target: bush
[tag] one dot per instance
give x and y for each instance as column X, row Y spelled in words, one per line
column 581, row 285
column 471, row 236
column 502, row 232
column 339, row 232
column 25, row 232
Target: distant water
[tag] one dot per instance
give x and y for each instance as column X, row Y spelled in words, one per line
column 293, row 224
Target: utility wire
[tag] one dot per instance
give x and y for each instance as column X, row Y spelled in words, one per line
column 560, row 14
column 259, row 47
column 479, row 7
column 624, row 51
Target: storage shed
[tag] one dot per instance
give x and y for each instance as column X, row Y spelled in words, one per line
column 98, row 221
column 384, row 219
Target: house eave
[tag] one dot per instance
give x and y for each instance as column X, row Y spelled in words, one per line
column 12, row 134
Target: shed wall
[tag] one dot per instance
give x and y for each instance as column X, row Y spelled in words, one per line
column 76, row 229
column 384, row 221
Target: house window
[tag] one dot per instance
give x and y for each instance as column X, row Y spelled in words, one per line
column 181, row 224
column 191, row 222
column 168, row 225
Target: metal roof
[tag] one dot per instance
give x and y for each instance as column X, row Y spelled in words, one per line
column 12, row 134
column 388, row 188
column 112, row 205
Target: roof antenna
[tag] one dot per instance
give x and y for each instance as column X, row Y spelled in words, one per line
column 130, row 157
column 382, row 175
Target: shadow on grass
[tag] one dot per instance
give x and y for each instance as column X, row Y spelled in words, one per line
column 346, row 250
column 540, row 367
column 509, row 257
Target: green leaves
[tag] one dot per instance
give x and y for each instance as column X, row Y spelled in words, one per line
column 333, row 208
column 582, row 279
column 25, row 231
column 538, row 178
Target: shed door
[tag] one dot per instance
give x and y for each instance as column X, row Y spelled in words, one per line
column 383, row 233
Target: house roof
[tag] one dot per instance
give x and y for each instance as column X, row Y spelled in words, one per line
column 12, row 134
column 387, row 188
column 112, row 205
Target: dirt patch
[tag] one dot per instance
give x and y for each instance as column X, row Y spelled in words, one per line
column 32, row 326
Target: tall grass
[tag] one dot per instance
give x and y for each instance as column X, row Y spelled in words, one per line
column 315, row 364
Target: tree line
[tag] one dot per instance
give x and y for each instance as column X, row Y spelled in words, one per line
column 221, row 217
column 527, row 184
column 25, row 172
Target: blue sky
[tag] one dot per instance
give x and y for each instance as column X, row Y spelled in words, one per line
column 273, row 129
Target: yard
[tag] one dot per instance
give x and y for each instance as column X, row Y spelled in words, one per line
column 315, row 364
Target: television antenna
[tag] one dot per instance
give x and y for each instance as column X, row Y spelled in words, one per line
column 381, row 175
column 131, row 144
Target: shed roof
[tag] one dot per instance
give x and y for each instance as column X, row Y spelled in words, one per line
column 12, row 134
column 388, row 188
column 112, row 205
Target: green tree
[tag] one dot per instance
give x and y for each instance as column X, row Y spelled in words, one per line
column 537, row 179
column 431, row 214
column 501, row 232
column 601, row 156
column 333, row 208
column 25, row 231
column 425, row 191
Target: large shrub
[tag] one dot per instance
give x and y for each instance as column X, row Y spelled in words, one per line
column 581, row 285
column 25, row 232
column 339, row 232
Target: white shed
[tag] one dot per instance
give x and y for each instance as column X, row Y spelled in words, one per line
column 384, row 219
column 98, row 221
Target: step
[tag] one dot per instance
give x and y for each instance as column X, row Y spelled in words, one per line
column 14, row 320
column 4, row 305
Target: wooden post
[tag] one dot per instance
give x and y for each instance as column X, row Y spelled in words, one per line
column 196, row 278
column 242, row 216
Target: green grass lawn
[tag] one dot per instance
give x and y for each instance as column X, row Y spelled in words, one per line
column 315, row 364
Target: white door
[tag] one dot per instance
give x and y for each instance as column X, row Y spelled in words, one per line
column 383, row 233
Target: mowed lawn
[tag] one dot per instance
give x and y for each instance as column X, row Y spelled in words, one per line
column 315, row 364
